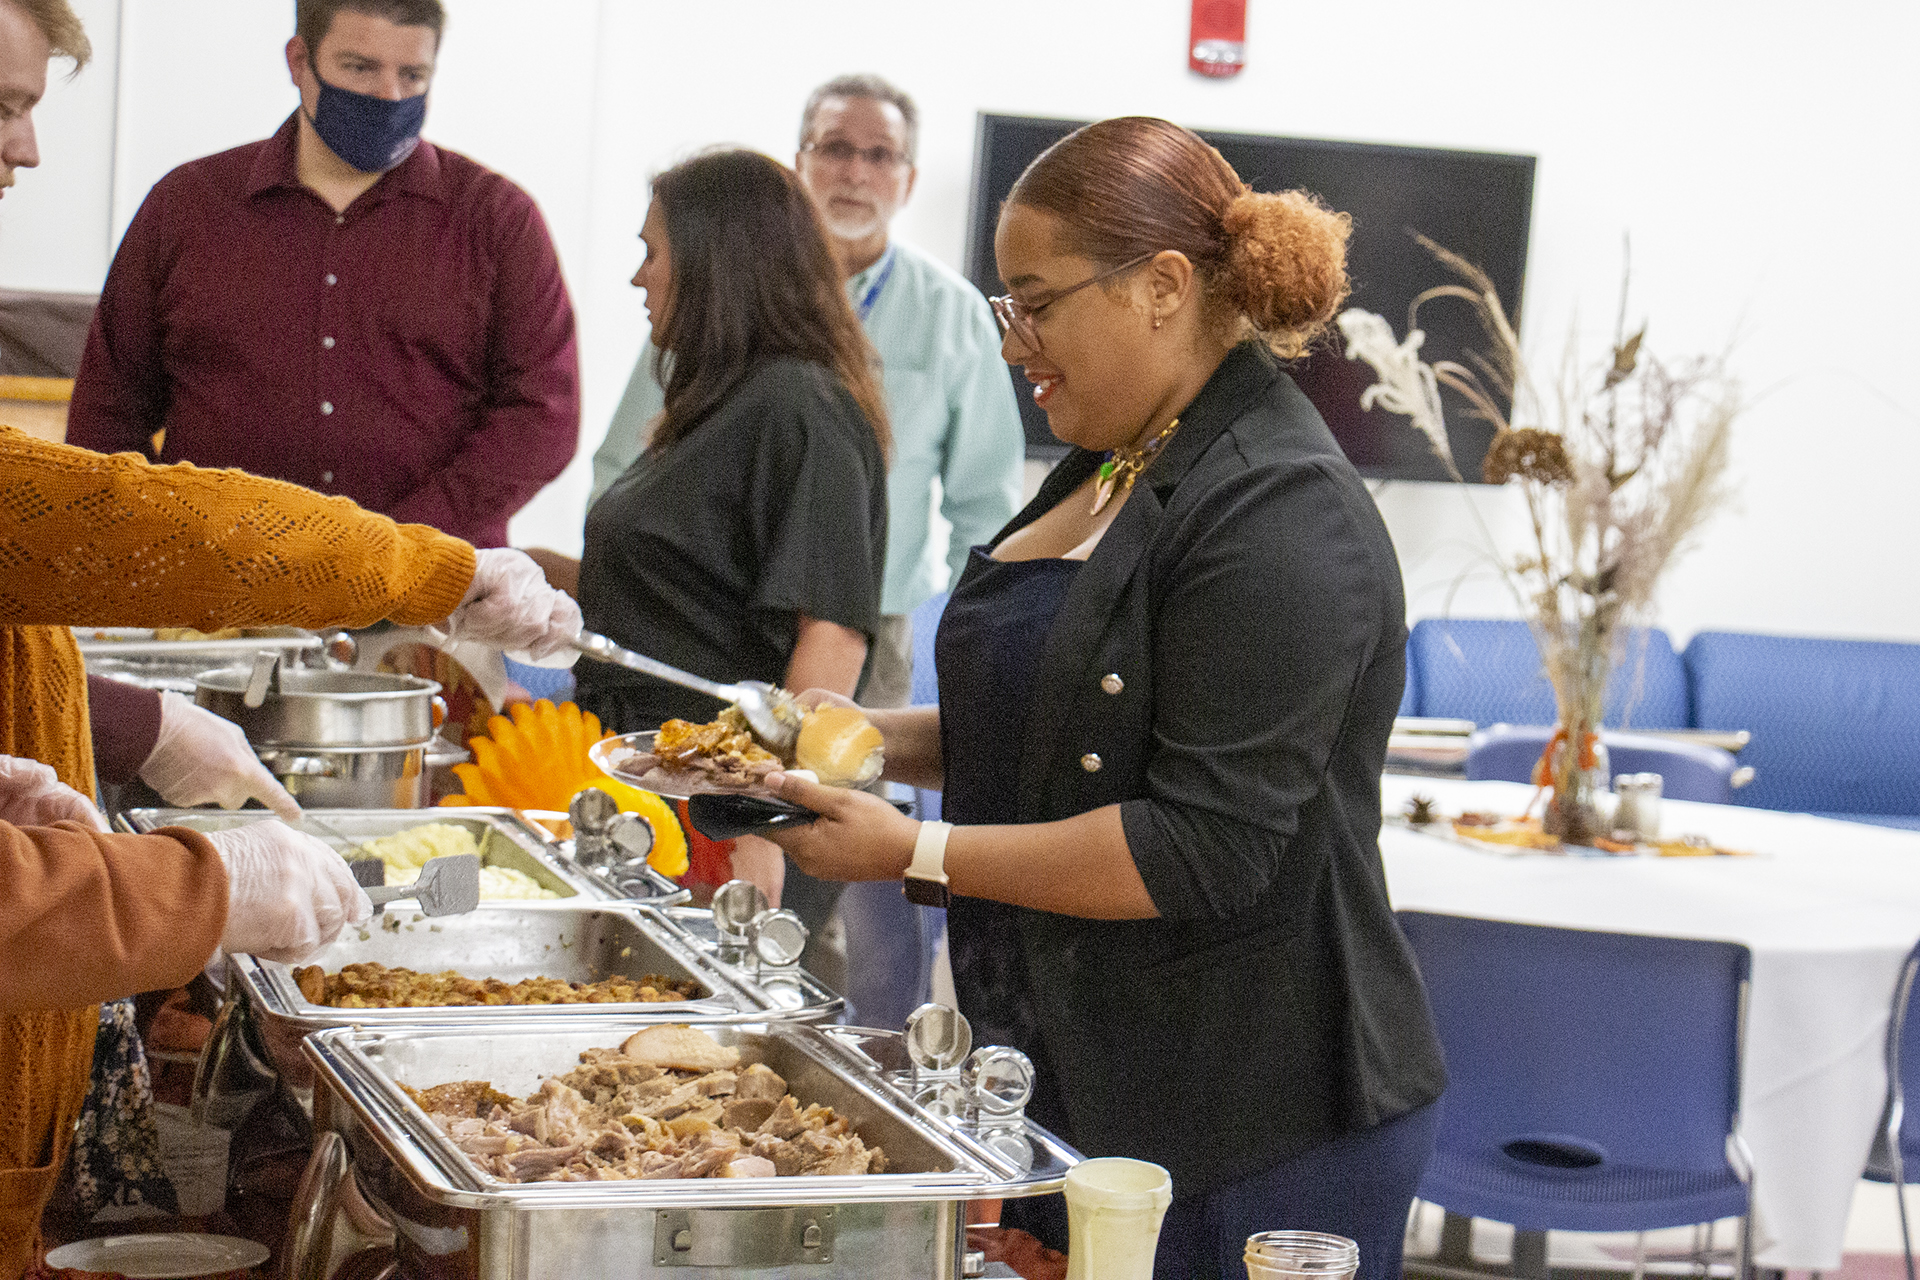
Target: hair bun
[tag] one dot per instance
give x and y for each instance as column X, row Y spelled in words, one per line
column 1286, row 262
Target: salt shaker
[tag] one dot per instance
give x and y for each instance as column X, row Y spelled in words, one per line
column 1638, row 810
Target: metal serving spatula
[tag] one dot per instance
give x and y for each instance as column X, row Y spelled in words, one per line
column 448, row 886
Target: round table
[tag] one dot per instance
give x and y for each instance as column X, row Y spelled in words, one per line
column 1828, row 909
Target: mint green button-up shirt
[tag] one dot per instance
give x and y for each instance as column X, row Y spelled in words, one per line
column 949, row 401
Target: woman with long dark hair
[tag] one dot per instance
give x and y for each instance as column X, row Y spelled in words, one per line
column 1165, row 695
column 747, row 540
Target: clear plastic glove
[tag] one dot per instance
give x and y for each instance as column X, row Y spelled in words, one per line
column 288, row 894
column 32, row 795
column 509, row 606
column 200, row 758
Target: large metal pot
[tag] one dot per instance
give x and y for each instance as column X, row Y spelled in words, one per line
column 352, row 777
column 326, row 709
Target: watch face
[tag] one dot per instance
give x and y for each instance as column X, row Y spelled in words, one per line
column 925, row 893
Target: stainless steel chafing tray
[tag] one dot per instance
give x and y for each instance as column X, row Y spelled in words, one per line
column 133, row 655
column 385, row 1177
column 506, row 839
column 255, row 1045
column 579, row 943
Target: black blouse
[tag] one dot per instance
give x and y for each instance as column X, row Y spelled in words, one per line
column 705, row 553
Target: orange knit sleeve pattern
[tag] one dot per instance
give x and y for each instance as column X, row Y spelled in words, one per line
column 90, row 539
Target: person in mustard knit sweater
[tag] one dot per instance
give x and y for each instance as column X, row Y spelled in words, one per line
column 91, row 540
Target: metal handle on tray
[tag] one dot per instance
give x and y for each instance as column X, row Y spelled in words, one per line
column 351, row 1075
column 234, row 1071
column 287, row 766
column 332, row 1222
column 261, row 679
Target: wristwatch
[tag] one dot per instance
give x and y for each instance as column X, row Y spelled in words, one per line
column 926, row 882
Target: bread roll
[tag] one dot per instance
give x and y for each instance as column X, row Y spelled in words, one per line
column 840, row 745
column 681, row 1047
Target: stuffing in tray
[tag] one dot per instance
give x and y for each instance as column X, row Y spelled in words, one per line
column 368, row 985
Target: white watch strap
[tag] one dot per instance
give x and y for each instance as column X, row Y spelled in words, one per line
column 930, row 852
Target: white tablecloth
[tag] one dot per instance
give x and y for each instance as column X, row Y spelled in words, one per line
column 1828, row 909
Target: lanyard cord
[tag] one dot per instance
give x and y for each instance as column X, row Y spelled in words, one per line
column 865, row 307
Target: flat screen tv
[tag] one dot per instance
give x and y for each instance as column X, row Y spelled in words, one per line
column 1477, row 203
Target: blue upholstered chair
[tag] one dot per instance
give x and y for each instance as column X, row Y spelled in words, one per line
column 555, row 684
column 1896, row 1143
column 1488, row 671
column 1835, row 723
column 1688, row 770
column 1410, row 696
column 1609, row 1111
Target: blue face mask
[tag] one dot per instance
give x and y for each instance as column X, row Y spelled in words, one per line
column 371, row 134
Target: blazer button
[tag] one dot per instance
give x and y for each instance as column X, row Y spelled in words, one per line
column 1112, row 683
column 1090, row 762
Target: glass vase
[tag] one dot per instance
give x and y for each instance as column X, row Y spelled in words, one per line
column 1579, row 778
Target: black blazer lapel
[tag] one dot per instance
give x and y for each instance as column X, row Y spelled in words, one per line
column 1086, row 614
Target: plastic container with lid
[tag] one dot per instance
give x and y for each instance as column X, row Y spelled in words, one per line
column 1114, row 1208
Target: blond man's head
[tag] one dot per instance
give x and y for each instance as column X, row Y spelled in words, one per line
column 31, row 33
column 57, row 21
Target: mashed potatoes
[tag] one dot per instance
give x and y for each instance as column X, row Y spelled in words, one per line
column 405, row 852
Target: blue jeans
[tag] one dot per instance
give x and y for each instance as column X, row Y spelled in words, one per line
column 890, row 950
column 1359, row 1186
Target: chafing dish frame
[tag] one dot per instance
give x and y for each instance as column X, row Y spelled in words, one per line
column 340, row 1056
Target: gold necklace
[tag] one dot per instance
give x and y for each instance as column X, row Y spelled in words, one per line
column 1123, row 467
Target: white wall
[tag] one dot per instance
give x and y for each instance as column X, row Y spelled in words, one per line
column 1760, row 155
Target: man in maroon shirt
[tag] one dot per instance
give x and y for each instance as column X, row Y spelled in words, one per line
column 344, row 305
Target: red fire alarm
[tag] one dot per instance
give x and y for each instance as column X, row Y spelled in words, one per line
column 1218, row 45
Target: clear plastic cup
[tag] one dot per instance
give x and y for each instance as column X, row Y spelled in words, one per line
column 1114, row 1207
column 1315, row 1254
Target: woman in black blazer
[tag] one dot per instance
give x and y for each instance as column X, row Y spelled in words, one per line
column 1166, row 691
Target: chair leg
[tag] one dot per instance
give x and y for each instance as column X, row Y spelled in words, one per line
column 1640, row 1256
column 1530, row 1255
column 1898, row 1167
column 1456, row 1239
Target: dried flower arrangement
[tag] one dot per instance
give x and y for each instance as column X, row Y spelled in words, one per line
column 1619, row 469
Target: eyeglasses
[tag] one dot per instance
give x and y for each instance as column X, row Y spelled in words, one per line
column 841, row 152
column 1016, row 317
